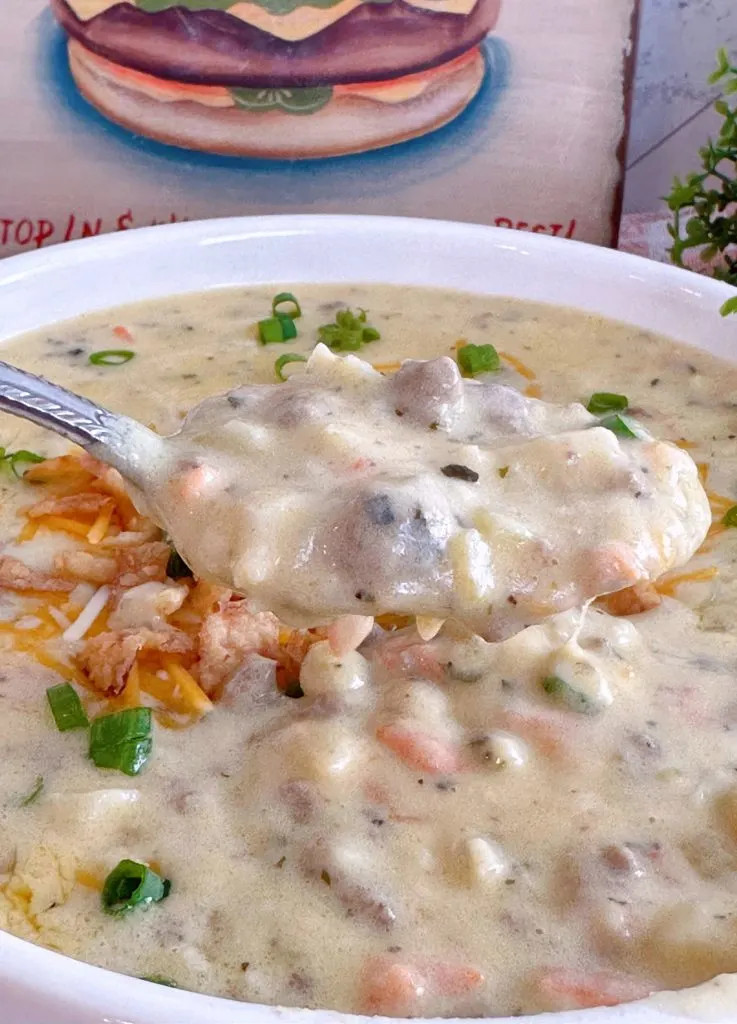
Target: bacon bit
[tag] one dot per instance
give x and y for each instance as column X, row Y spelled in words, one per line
column 86, row 503
column 533, row 391
column 143, row 564
column 669, row 584
column 403, row 655
column 632, row 600
column 196, row 481
column 82, row 565
column 362, row 463
column 204, row 598
column 15, row 575
column 420, row 750
column 107, row 659
column 228, row 636
column 573, row 990
column 522, row 368
column 123, row 333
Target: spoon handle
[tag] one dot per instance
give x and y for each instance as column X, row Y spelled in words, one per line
column 117, row 440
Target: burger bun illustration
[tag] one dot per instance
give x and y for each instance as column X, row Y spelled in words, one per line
column 278, row 79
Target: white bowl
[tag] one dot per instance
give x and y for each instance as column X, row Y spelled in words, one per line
column 37, row 289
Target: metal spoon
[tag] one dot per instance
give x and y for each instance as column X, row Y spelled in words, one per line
column 117, row 440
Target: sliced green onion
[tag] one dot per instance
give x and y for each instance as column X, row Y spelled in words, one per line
column 276, row 329
column 286, row 298
column 474, row 359
column 159, row 979
column 349, row 331
column 35, row 792
column 66, row 707
column 122, row 740
column 20, row 458
column 282, row 361
column 730, row 306
column 176, row 567
column 131, row 885
column 622, row 426
column 111, row 357
column 606, row 401
column 730, row 517
column 573, row 699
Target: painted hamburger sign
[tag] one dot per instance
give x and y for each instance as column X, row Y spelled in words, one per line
column 131, row 112
column 279, row 78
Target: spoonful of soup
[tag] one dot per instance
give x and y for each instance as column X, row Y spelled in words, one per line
column 346, row 492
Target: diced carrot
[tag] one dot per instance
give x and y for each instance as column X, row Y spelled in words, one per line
column 390, row 987
column 122, row 332
column 420, row 750
column 545, row 733
column 562, row 989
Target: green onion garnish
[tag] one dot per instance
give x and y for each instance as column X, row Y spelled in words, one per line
column 66, row 707
column 622, row 426
column 176, row 567
column 111, row 357
column 35, row 792
column 131, row 885
column 276, row 329
column 159, row 979
column 282, row 361
column 474, row 359
column 349, row 331
column 730, row 517
column 606, row 401
column 565, row 694
column 19, row 458
column 286, row 298
column 122, row 740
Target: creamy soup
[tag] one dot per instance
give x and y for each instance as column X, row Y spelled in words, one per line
column 407, row 821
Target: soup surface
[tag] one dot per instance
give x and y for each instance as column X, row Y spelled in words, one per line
column 428, row 825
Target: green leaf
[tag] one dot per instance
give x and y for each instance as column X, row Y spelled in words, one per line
column 730, row 306
column 122, row 740
column 288, row 100
column 132, row 884
column 66, row 707
column 159, row 979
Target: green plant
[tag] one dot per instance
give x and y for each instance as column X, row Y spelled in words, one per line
column 704, row 206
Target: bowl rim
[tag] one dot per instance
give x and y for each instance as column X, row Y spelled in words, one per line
column 79, row 988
